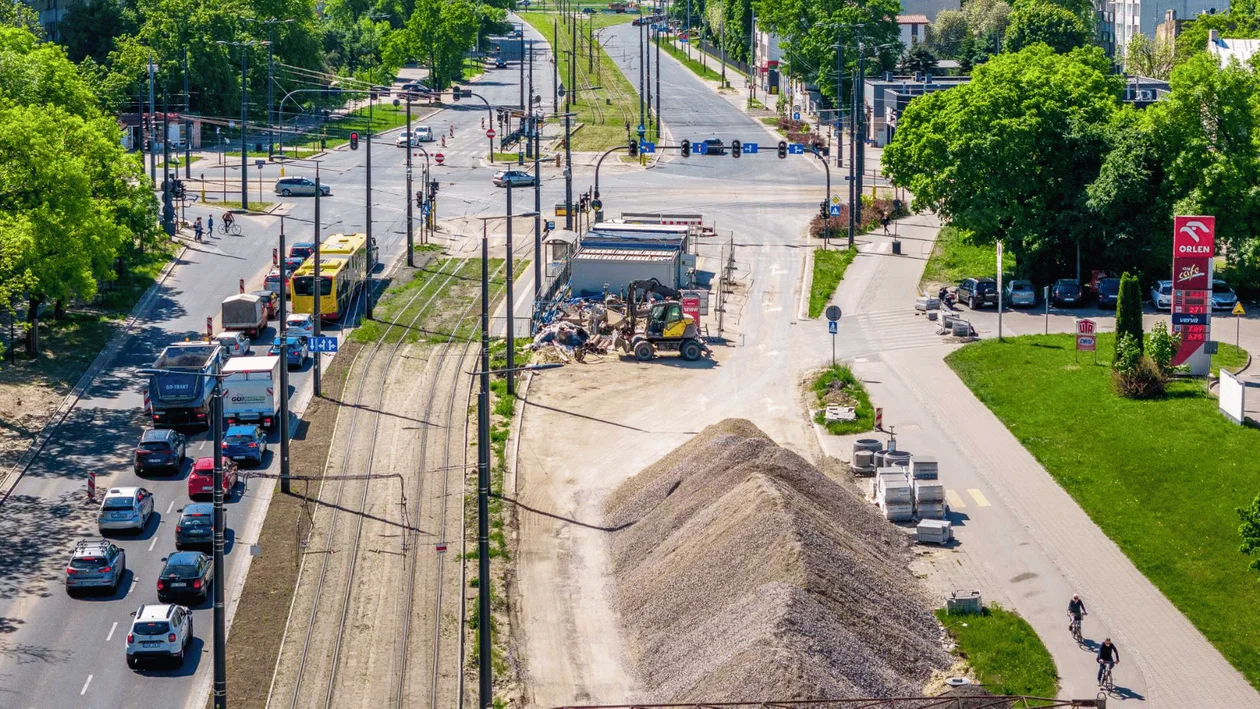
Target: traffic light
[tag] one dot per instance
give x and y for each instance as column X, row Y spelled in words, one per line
column 455, row 93
column 736, row 148
column 354, row 140
column 634, row 148
column 686, row 148
column 433, row 187
column 419, row 199
column 822, row 209
column 782, row 149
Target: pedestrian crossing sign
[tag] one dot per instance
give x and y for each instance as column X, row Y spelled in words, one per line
column 1238, row 309
column 835, row 210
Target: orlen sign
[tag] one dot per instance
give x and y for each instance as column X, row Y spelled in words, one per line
column 1194, row 242
column 1194, row 237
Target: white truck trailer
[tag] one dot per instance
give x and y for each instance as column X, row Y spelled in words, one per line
column 252, row 390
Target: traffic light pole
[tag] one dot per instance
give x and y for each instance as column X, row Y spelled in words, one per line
column 187, row 124
column 244, row 132
column 411, row 244
column 511, row 342
column 537, row 209
column 367, row 262
column 317, row 286
column 282, row 313
column 568, row 175
column 220, row 573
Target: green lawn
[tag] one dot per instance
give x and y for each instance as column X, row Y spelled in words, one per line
column 1161, row 478
column 1228, row 356
column 829, row 268
column 605, row 101
column 838, row 385
column 954, row 258
column 1004, row 651
column 178, row 161
column 254, row 205
column 694, row 65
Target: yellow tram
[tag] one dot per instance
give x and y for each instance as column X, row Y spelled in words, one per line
column 343, row 263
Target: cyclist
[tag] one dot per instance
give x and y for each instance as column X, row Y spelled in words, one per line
column 228, row 219
column 1108, row 657
column 1076, row 609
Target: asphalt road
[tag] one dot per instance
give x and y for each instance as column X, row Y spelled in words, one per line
column 63, row 652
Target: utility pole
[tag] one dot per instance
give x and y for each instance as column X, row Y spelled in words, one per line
column 367, row 262
column 522, row 68
column 860, row 136
column 284, row 369
column 411, row 244
column 318, row 285
column 152, row 127
column 220, row 573
column 187, row 123
column 658, row 85
column 853, row 193
column 484, row 667
column 244, row 132
column 646, row 36
column 511, row 343
column 271, row 104
column 537, row 210
column 690, row 39
column 568, row 177
column 168, row 207
column 642, row 81
column 555, row 70
column 573, row 60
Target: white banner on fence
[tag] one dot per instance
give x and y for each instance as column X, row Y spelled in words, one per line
column 1233, row 397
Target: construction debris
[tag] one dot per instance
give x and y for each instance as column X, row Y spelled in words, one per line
column 741, row 571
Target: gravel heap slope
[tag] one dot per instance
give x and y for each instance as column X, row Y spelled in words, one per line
column 743, row 574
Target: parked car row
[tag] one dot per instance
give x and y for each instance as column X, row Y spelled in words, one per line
column 1103, row 290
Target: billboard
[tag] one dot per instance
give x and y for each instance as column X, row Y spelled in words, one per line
column 1194, row 243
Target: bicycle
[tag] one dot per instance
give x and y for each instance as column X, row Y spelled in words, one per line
column 1105, row 683
column 1076, row 628
column 233, row 228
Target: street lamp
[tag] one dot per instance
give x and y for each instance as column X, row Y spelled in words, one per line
column 220, row 619
column 271, row 23
column 244, row 114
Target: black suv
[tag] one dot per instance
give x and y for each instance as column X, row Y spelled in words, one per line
column 160, row 449
column 977, row 292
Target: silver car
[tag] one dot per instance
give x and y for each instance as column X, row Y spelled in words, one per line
column 1161, row 295
column 95, row 563
column 1223, row 297
column 125, row 508
column 303, row 186
column 1020, row 293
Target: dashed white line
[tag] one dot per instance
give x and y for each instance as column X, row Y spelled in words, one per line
column 154, row 542
column 170, row 507
column 85, row 686
column 112, row 628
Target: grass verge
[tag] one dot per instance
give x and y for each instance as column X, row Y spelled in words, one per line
column 264, row 604
column 179, row 161
column 829, row 268
column 254, row 206
column 1228, row 357
column 1161, row 478
column 604, row 100
column 838, row 385
column 954, row 258
column 694, row 65
column 1004, row 651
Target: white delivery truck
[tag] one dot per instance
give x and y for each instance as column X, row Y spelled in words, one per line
column 252, row 393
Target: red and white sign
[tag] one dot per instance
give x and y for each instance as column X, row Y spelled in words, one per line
column 209, row 328
column 1194, row 243
column 275, row 257
column 241, row 283
column 879, row 418
column 441, row 547
column 489, row 132
column 91, row 486
column 691, row 307
column 1086, row 335
column 439, row 157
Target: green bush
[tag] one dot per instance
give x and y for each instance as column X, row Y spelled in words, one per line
column 1129, row 311
column 1133, row 375
column 1161, row 345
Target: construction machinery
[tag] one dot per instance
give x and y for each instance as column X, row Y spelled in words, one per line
column 665, row 327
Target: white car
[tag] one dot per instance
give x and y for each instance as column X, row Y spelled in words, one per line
column 159, row 632
column 125, row 508
column 300, row 325
column 235, row 343
column 1161, row 295
column 424, row 134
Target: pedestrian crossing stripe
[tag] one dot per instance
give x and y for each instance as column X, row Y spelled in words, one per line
column 954, row 500
column 978, row 497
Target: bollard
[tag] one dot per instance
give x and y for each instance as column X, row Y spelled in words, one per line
column 91, row 490
column 879, row 419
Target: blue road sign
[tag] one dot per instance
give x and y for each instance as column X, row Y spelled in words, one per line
column 833, row 327
column 646, row 147
column 425, row 209
column 835, row 210
column 551, row 225
column 323, row 344
column 796, row 149
column 750, row 148
column 642, row 130
column 796, row 115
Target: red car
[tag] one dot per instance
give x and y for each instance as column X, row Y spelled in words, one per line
column 201, row 480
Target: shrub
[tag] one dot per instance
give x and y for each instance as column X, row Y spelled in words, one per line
column 1161, row 345
column 1129, row 311
column 1142, row 381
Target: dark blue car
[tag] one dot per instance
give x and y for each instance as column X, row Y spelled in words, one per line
column 245, row 443
column 298, row 350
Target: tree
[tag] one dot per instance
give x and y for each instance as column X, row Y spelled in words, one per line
column 972, row 53
column 1129, row 310
column 1055, row 26
column 1193, row 39
column 1083, row 9
column 946, row 34
column 438, row 34
column 1010, row 154
column 808, row 33
column 90, row 28
column 987, row 18
column 918, row 60
column 1249, row 530
column 1148, row 57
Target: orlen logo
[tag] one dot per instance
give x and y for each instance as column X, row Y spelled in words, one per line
column 1189, row 272
column 1194, row 236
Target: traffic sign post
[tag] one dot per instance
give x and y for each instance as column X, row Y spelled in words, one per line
column 324, row 344
column 1238, row 314
column 751, row 148
column 796, row 115
column 438, row 158
column 834, row 210
column 833, row 326
column 1086, row 338
column 796, row 149
column 489, row 132
column 646, row 147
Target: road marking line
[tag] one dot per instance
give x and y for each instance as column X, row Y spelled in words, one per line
column 978, row 497
column 112, row 628
column 154, row 542
column 85, row 686
column 955, row 502
column 172, row 505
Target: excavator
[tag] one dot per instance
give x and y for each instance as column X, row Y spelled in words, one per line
column 665, row 326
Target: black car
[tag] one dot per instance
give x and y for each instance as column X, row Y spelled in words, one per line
column 977, row 292
column 160, row 450
column 187, row 573
column 196, row 526
column 712, row 146
column 1066, row 293
column 1108, row 292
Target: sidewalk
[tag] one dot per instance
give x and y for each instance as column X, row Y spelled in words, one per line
column 1023, row 541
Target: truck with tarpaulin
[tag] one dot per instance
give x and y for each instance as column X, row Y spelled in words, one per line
column 180, row 393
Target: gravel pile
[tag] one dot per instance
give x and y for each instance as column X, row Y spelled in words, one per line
column 745, row 574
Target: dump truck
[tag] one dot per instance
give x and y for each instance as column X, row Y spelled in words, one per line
column 246, row 312
column 251, row 390
column 179, row 395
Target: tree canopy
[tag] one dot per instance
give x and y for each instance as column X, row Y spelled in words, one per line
column 1040, row 22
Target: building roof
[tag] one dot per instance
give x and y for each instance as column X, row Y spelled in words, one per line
column 912, row 19
column 589, row 254
column 1226, row 50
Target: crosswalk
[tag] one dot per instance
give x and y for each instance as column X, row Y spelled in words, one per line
column 956, row 501
column 898, row 329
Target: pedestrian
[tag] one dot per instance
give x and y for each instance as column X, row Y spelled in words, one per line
column 197, row 229
column 211, row 223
